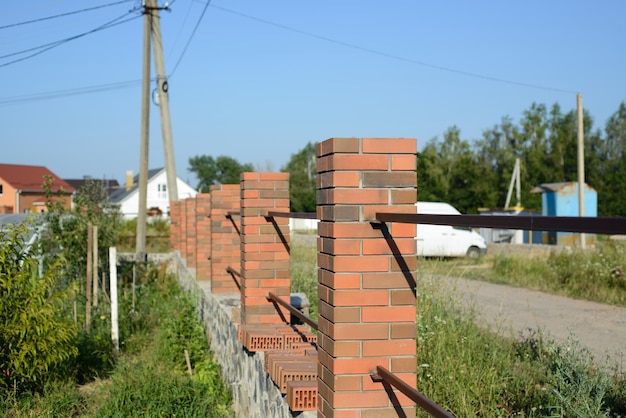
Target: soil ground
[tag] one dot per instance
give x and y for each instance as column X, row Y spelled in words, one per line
column 600, row 328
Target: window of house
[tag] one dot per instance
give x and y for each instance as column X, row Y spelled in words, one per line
column 0, row 189
column 162, row 189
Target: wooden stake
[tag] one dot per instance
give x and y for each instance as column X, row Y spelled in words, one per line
column 115, row 334
column 95, row 265
column 89, row 278
column 188, row 363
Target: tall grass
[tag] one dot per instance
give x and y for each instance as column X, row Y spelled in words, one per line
column 597, row 274
column 150, row 376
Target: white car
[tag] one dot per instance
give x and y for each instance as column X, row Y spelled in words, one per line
column 446, row 240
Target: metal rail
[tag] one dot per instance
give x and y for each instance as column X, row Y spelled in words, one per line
column 597, row 225
column 276, row 300
column 299, row 215
column 234, row 273
column 384, row 375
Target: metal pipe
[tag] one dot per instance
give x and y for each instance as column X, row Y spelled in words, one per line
column 599, row 225
column 273, row 298
column 382, row 374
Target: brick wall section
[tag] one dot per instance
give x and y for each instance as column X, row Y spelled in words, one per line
column 225, row 240
column 367, row 312
column 175, row 225
column 203, row 236
column 190, row 218
column 264, row 257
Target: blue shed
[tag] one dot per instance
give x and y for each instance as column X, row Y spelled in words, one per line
column 561, row 199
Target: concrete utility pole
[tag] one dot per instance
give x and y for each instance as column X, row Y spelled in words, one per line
column 142, row 211
column 164, row 105
column 581, row 164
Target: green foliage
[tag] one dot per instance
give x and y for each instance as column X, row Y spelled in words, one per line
column 545, row 140
column 473, row 371
column 65, row 231
column 149, row 379
column 302, row 172
column 35, row 337
column 157, row 236
column 220, row 170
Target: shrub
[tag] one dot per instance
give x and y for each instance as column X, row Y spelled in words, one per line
column 34, row 335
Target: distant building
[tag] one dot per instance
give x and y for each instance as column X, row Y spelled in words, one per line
column 561, row 199
column 158, row 203
column 109, row 185
column 21, row 189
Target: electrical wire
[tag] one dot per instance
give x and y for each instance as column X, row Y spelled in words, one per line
column 206, row 6
column 69, row 92
column 392, row 56
column 63, row 14
column 49, row 46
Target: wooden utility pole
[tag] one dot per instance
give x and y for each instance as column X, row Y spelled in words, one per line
column 142, row 211
column 164, row 105
column 581, row 164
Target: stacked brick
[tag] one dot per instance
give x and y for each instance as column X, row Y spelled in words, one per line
column 203, row 237
column 366, row 274
column 225, row 240
column 290, row 360
column 264, row 246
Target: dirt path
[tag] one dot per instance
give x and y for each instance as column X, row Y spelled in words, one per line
column 600, row 328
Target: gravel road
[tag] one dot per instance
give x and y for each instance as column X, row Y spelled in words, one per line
column 600, row 328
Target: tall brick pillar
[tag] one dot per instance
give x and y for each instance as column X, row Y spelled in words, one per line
column 366, row 275
column 264, row 255
column 190, row 218
column 225, row 241
column 203, row 236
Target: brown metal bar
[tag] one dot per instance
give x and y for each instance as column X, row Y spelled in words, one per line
column 422, row 401
column 272, row 297
column 598, row 225
column 234, row 273
column 299, row 215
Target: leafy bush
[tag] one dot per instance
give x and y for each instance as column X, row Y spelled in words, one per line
column 35, row 337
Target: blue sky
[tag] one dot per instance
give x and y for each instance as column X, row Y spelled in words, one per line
column 260, row 79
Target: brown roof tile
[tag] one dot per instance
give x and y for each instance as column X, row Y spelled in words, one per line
column 31, row 177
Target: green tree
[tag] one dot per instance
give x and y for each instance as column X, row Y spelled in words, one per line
column 612, row 194
column 220, row 170
column 34, row 335
column 302, row 172
column 65, row 231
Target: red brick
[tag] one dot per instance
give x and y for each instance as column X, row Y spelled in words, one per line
column 389, row 145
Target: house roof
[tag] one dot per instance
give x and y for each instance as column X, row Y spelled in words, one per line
column 109, row 185
column 555, row 187
column 120, row 194
column 31, row 178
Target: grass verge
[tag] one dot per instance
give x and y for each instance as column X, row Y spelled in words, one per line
column 150, row 377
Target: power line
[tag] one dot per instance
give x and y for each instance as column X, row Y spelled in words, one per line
column 206, row 6
column 392, row 56
column 63, row 14
column 68, row 92
column 52, row 45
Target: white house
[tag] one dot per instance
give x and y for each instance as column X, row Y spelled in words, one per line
column 127, row 198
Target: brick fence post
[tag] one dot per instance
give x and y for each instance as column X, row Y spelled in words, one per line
column 203, row 236
column 190, row 220
column 366, row 275
column 264, row 255
column 225, row 240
